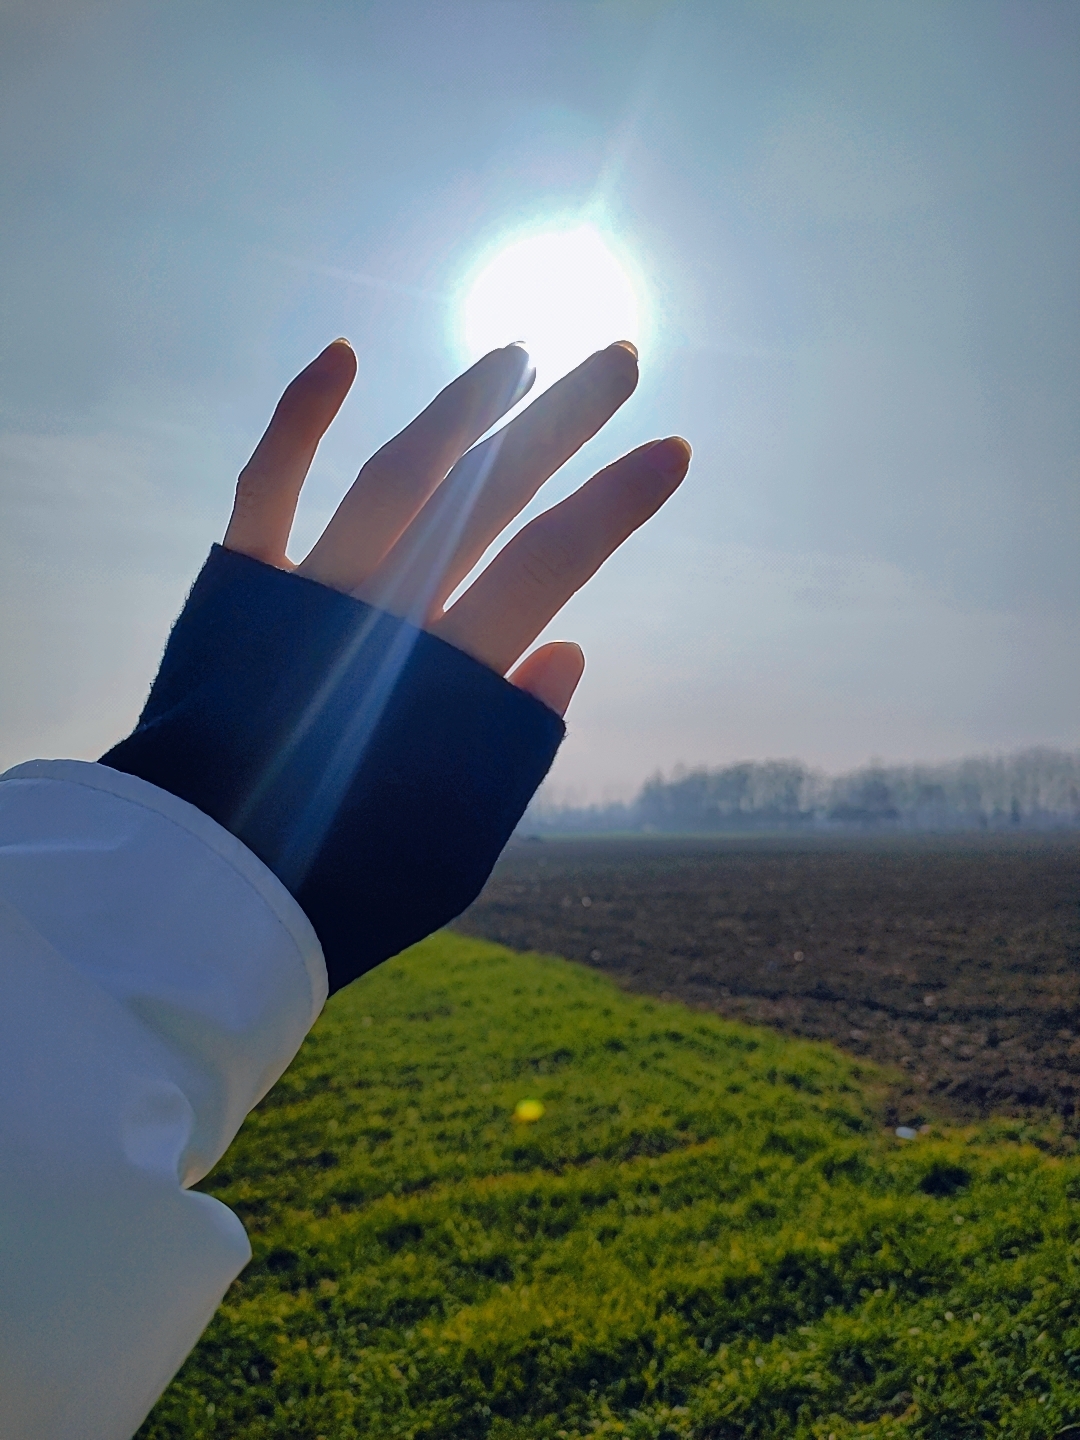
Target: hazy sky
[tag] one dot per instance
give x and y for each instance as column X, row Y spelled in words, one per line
column 857, row 227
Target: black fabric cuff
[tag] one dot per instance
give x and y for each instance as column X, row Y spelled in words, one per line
column 375, row 769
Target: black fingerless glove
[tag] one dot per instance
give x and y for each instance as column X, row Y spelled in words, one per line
column 375, row 769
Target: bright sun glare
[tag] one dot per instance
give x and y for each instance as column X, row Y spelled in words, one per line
column 562, row 292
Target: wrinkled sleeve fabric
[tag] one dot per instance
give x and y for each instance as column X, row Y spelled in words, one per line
column 157, row 978
column 313, row 785
column 376, row 770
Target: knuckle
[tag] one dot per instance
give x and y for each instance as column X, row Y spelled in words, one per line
column 546, row 561
column 249, row 490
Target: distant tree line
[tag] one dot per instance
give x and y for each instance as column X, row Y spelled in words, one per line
column 1035, row 789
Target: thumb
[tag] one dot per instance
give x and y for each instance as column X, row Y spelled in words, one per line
column 551, row 674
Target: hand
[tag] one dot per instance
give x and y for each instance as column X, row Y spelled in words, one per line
column 426, row 506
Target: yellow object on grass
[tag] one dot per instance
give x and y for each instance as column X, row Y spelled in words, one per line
column 528, row 1110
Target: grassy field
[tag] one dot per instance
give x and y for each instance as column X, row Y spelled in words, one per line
column 952, row 959
column 707, row 1234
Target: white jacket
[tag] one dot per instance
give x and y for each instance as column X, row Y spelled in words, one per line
column 155, row 980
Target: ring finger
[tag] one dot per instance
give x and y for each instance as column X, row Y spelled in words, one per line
column 493, row 482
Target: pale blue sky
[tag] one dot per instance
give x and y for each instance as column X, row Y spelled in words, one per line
column 858, row 225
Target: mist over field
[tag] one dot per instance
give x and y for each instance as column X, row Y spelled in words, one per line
column 1035, row 789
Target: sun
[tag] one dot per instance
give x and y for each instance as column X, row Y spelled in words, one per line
column 563, row 293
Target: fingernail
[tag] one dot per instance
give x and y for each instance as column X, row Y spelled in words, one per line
column 341, row 340
column 526, row 375
column 518, row 351
column 625, row 345
column 669, row 458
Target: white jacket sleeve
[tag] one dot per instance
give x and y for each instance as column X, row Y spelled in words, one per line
column 155, row 980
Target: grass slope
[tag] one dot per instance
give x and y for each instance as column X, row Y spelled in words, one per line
column 706, row 1235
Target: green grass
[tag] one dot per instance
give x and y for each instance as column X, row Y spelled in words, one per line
column 708, row 1233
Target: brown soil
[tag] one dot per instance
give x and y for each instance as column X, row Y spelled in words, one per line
column 957, row 962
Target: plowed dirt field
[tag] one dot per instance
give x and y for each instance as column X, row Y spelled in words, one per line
column 954, row 961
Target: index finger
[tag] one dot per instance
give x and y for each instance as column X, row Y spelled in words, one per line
column 535, row 573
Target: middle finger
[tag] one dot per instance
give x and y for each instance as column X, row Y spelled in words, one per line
column 493, row 482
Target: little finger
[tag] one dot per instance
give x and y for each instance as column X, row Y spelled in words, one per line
column 269, row 484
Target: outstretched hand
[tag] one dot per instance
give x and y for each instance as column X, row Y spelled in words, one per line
column 426, row 506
